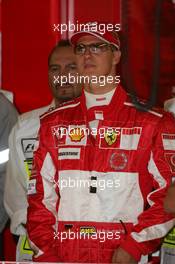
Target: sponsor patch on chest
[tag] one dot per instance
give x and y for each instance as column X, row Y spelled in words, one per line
column 68, row 153
column 121, row 138
column 87, row 230
column 69, row 135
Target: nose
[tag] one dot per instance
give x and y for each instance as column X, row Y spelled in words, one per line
column 87, row 52
column 64, row 71
column 64, row 75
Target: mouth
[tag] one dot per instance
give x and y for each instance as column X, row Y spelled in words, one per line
column 63, row 86
column 89, row 65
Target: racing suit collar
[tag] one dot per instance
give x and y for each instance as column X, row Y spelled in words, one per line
column 117, row 101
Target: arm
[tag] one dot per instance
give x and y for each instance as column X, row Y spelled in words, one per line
column 169, row 202
column 42, row 198
column 15, row 197
column 8, row 117
column 154, row 222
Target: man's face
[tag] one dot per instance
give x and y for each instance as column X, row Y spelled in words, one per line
column 102, row 64
column 62, row 63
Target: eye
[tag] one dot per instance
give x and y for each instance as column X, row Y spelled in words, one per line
column 79, row 49
column 54, row 68
column 72, row 66
column 95, row 48
column 99, row 47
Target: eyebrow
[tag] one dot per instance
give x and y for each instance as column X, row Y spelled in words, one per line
column 51, row 65
column 58, row 65
column 74, row 63
column 94, row 43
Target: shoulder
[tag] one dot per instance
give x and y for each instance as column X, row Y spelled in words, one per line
column 156, row 116
column 28, row 123
column 68, row 106
column 154, row 112
column 169, row 105
column 36, row 113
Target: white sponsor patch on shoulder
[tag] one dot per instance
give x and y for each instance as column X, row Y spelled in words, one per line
column 168, row 141
column 31, row 189
column 68, row 153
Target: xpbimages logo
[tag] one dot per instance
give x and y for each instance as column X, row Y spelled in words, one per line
column 88, row 233
column 102, row 80
column 92, row 182
column 101, row 28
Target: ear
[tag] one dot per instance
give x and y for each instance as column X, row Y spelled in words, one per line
column 116, row 57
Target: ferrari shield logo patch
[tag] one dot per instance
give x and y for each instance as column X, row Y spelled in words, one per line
column 111, row 137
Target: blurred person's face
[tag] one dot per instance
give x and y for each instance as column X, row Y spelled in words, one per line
column 102, row 63
column 61, row 64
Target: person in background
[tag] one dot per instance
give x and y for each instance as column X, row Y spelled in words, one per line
column 8, row 117
column 61, row 62
column 97, row 191
column 169, row 202
column 168, row 246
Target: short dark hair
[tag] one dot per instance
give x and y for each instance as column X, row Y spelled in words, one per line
column 60, row 44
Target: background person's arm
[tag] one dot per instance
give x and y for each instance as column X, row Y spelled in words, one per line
column 8, row 117
column 15, row 197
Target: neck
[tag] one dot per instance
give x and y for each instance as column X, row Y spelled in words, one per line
column 98, row 99
column 99, row 89
column 57, row 102
column 104, row 85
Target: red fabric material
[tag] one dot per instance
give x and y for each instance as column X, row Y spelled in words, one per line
column 28, row 37
column 9, row 246
column 131, row 247
column 142, row 39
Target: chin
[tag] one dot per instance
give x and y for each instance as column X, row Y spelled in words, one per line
column 67, row 97
column 89, row 73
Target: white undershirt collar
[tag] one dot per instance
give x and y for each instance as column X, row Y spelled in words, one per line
column 98, row 99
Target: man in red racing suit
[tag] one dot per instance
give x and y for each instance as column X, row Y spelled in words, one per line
column 96, row 191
